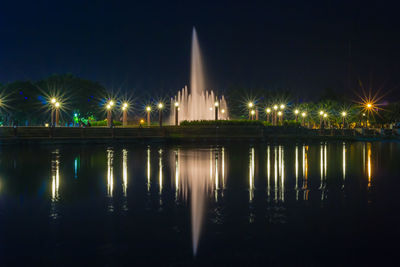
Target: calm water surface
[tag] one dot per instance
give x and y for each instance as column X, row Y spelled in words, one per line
column 240, row 203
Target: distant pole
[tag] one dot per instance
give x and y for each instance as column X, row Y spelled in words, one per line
column 256, row 114
column 176, row 113
column 57, row 105
column 109, row 117
column 52, row 116
column 57, row 117
column 160, row 107
column 125, row 114
column 216, row 104
column 124, row 118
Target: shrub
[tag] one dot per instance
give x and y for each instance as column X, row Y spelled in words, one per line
column 104, row 123
column 221, row 123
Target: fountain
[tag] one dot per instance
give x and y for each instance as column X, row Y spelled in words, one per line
column 199, row 104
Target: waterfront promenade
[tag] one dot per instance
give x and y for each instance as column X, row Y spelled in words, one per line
column 101, row 134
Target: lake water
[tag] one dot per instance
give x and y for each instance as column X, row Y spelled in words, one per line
column 239, row 203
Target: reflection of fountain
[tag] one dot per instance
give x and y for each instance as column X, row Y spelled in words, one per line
column 55, row 182
column 197, row 174
column 344, row 163
column 305, row 172
column 199, row 103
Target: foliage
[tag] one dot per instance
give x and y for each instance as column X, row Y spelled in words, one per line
column 104, row 123
column 222, row 123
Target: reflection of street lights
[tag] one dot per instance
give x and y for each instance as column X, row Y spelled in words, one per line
column 216, row 104
column 176, row 113
column 268, row 111
column 160, row 108
column 148, row 110
column 344, row 114
column 125, row 114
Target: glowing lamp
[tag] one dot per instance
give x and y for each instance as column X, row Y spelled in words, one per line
column 279, row 113
column 275, row 107
column 176, row 104
column 296, row 111
column 148, row 108
column 344, row 113
column 216, row 104
column 160, row 105
column 303, row 114
column 268, row 110
column 57, row 104
column 282, row 106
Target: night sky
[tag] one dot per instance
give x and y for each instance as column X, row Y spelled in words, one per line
column 304, row 46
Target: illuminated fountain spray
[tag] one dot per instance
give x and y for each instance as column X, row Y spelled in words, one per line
column 199, row 104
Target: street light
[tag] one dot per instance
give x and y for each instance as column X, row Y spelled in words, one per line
column 275, row 107
column 250, row 105
column 280, row 116
column 176, row 113
column 268, row 111
column 344, row 114
column 57, row 106
column 125, row 114
column 109, row 107
column 321, row 114
column 296, row 112
column 303, row 116
column 148, row 110
column 160, row 108
column 252, row 112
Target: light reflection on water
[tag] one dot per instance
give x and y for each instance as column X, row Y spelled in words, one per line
column 199, row 176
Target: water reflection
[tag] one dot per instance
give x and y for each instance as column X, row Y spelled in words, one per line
column 323, row 170
column 160, row 174
column 110, row 178
column 55, row 183
column 268, row 172
column 251, row 174
column 125, row 179
column 148, row 167
column 124, row 172
column 76, row 166
column 369, row 167
column 197, row 175
column 305, row 172
column 344, row 163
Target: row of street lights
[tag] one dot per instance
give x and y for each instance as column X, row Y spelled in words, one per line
column 125, row 107
column 277, row 112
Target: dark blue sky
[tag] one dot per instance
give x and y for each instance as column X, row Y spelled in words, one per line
column 300, row 45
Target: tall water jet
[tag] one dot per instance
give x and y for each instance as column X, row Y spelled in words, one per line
column 199, row 104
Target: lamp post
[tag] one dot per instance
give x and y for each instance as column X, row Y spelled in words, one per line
column 275, row 111
column 268, row 111
column 252, row 112
column 216, row 104
column 223, row 112
column 296, row 113
column 160, row 108
column 344, row 114
column 176, row 113
column 250, row 105
column 282, row 107
column 280, row 116
column 53, row 102
column 125, row 114
column 325, row 119
column 57, row 106
column 321, row 115
column 303, row 116
column 109, row 107
column 148, row 110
